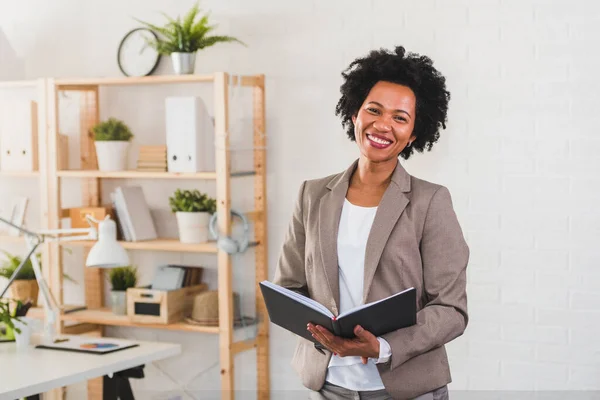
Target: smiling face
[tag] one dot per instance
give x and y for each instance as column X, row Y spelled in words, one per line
column 385, row 122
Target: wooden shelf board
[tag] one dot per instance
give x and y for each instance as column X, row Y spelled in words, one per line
column 145, row 175
column 106, row 317
column 20, row 174
column 156, row 245
column 76, row 83
column 89, row 83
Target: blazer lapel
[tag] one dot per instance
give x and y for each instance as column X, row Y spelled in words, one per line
column 391, row 206
column 330, row 211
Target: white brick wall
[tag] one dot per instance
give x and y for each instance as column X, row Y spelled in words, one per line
column 520, row 155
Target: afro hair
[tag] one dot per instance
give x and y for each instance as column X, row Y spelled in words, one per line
column 412, row 70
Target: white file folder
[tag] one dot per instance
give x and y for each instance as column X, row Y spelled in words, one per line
column 190, row 135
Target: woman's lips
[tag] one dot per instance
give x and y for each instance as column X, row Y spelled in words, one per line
column 378, row 142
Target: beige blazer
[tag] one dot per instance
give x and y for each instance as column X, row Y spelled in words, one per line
column 415, row 241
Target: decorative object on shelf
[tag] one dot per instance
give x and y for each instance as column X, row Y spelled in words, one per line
column 135, row 55
column 227, row 243
column 25, row 287
column 193, row 210
column 111, row 139
column 134, row 214
column 18, row 136
column 190, row 135
column 121, row 279
column 181, row 39
column 205, row 310
column 152, row 159
column 106, row 253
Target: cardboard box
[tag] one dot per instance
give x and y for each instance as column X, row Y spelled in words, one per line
column 145, row 305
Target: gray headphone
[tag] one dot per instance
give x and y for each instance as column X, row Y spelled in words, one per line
column 226, row 243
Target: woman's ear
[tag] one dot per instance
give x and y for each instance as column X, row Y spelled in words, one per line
column 354, row 119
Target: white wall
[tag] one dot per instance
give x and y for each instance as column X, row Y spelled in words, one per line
column 520, row 157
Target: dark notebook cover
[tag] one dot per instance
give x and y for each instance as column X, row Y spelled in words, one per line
column 291, row 311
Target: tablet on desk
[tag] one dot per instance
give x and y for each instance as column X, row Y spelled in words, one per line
column 88, row 345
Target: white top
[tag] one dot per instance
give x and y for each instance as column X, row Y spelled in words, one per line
column 31, row 371
column 355, row 226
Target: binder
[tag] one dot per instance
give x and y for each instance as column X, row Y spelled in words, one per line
column 293, row 311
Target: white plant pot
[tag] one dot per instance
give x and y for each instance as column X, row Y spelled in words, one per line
column 183, row 63
column 112, row 155
column 118, row 302
column 193, row 226
column 23, row 339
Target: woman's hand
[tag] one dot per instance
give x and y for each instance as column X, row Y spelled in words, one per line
column 365, row 344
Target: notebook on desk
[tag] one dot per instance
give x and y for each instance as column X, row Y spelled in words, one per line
column 292, row 311
column 88, row 345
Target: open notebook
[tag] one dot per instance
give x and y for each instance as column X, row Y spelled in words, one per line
column 292, row 311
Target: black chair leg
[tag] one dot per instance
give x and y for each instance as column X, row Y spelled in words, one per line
column 118, row 387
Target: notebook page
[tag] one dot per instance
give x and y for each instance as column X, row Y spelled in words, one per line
column 299, row 298
column 355, row 309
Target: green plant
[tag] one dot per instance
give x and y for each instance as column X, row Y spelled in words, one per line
column 112, row 129
column 11, row 263
column 7, row 316
column 192, row 201
column 122, row 278
column 187, row 36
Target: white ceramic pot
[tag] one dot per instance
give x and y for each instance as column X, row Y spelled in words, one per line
column 183, row 63
column 193, row 226
column 112, row 155
column 23, row 339
column 118, row 302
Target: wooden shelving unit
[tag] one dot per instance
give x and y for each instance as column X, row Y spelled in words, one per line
column 96, row 316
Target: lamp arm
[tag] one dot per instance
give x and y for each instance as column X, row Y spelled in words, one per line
column 21, row 229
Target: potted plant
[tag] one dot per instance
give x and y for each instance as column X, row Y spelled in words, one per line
column 25, row 287
column 13, row 326
column 121, row 279
column 111, row 139
column 181, row 39
column 193, row 211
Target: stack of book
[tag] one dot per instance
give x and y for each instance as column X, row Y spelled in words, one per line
column 152, row 158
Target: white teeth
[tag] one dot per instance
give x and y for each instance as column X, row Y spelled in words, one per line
column 377, row 140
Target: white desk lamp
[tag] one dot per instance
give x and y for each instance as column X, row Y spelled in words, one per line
column 106, row 253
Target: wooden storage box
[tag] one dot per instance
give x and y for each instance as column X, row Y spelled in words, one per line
column 145, row 305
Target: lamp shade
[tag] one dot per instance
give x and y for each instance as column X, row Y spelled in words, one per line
column 107, row 252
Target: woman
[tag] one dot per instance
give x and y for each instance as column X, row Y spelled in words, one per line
column 374, row 230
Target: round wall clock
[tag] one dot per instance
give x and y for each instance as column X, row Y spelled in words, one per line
column 135, row 56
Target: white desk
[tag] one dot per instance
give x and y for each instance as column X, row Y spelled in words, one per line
column 25, row 373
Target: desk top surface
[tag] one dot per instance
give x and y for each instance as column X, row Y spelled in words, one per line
column 31, row 371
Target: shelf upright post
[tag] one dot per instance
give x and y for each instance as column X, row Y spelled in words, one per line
column 50, row 197
column 223, row 167
column 260, row 235
column 89, row 115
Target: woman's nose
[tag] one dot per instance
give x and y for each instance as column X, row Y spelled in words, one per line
column 382, row 124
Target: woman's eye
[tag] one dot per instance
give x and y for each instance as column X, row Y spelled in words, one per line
column 400, row 119
column 373, row 110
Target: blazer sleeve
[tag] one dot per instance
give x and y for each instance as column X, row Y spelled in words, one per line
column 290, row 272
column 445, row 255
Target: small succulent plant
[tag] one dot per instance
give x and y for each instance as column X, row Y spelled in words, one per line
column 112, row 129
column 192, row 201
